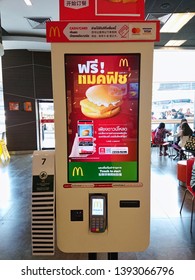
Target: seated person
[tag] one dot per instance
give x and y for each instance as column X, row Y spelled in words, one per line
column 180, row 114
column 188, row 113
column 183, row 134
column 160, row 134
column 175, row 145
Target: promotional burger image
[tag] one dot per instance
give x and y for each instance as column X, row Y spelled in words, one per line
column 103, row 101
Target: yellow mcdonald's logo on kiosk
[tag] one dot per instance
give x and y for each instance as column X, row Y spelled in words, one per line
column 54, row 31
column 78, row 171
column 97, row 204
column 123, row 62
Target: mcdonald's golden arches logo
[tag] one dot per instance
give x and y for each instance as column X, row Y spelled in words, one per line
column 78, row 171
column 54, row 31
column 123, row 62
column 97, row 204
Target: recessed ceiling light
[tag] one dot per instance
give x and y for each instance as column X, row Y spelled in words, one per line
column 28, row 2
column 175, row 43
column 176, row 22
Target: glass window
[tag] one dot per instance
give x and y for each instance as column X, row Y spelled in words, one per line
column 173, row 87
column 47, row 129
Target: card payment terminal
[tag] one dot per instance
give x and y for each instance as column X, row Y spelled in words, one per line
column 98, row 215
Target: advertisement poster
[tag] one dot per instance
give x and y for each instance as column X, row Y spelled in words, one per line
column 102, row 99
column 99, row 10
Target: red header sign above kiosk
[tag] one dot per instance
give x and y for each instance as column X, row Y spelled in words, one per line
column 101, row 10
column 62, row 31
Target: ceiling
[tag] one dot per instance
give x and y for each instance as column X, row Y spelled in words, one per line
column 23, row 27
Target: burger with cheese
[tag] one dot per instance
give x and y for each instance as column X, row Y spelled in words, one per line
column 103, row 101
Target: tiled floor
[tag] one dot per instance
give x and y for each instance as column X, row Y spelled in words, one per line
column 170, row 232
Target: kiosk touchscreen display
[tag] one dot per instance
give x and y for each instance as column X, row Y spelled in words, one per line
column 102, row 101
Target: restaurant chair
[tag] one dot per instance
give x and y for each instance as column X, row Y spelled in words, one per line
column 180, row 152
column 189, row 189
